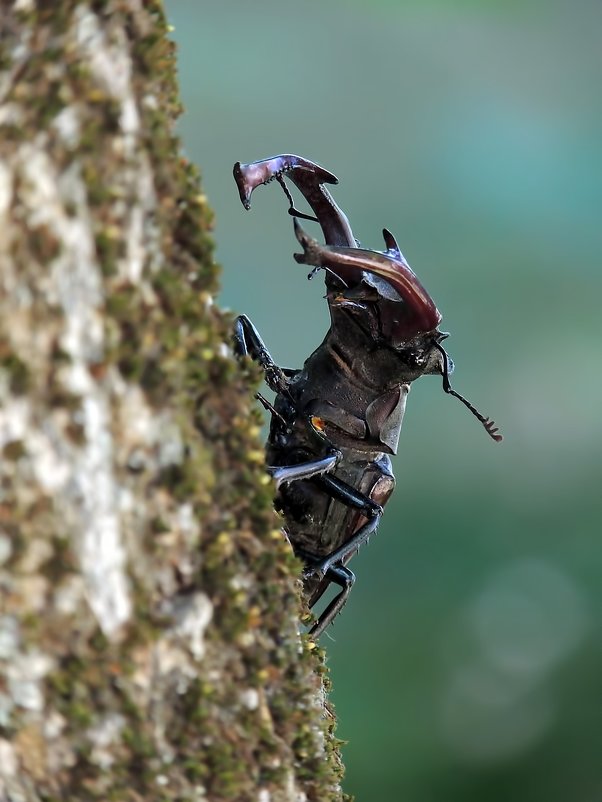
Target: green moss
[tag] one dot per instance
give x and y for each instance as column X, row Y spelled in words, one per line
column 109, row 247
column 59, row 356
column 58, row 396
column 122, row 303
column 152, row 376
column 71, row 692
column 44, row 244
column 139, row 742
column 158, row 526
column 50, row 105
column 226, row 770
column 19, row 377
column 61, row 562
column 182, row 480
column 99, row 192
column 13, row 450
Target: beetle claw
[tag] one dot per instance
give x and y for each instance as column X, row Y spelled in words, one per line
column 314, row 574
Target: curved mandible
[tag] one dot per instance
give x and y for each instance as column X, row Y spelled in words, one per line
column 309, row 178
column 421, row 313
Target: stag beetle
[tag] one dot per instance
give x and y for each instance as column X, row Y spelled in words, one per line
column 336, row 421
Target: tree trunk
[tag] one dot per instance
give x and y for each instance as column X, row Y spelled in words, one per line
column 149, row 645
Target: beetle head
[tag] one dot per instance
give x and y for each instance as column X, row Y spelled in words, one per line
column 382, row 282
column 381, row 293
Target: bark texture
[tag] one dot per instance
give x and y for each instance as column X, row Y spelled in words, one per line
column 149, row 647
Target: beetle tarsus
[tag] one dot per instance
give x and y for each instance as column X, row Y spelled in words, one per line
column 339, row 575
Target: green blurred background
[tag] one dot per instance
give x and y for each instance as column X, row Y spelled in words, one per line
column 468, row 662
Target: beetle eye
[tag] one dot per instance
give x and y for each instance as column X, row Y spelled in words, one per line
column 415, row 359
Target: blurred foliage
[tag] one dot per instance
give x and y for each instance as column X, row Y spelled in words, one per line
column 467, row 664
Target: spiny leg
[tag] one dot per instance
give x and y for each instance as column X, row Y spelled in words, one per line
column 345, row 493
column 322, row 572
column 348, row 549
column 304, row 470
column 331, row 569
column 339, row 575
column 248, row 342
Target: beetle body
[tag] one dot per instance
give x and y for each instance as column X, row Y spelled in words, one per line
column 336, row 422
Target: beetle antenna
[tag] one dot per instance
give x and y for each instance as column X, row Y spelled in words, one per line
column 292, row 211
column 317, row 269
column 489, row 425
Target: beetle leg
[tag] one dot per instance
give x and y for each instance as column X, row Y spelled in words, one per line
column 248, row 342
column 269, row 407
column 344, row 492
column 348, row 549
column 319, row 574
column 305, row 470
column 344, row 578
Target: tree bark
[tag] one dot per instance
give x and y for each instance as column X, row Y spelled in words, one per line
column 149, row 645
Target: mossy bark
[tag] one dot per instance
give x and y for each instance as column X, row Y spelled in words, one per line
column 149, row 646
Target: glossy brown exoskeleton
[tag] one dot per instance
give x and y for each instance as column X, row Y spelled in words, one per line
column 336, row 421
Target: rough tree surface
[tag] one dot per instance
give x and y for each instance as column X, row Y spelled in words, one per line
column 148, row 602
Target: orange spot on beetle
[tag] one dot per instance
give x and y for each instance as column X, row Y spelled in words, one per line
column 317, row 423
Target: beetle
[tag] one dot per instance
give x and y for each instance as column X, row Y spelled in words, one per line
column 336, row 422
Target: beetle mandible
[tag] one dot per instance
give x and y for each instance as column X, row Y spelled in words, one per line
column 336, row 421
